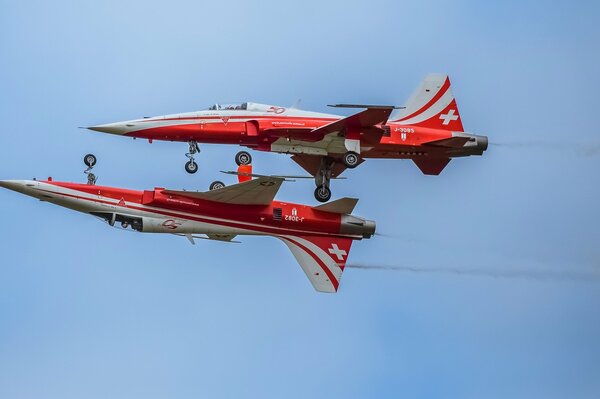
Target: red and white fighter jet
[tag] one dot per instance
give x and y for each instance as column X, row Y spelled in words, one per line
column 428, row 130
column 319, row 237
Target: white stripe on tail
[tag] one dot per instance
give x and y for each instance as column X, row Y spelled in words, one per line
column 432, row 105
column 322, row 258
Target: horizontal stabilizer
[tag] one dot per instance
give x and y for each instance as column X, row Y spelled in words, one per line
column 432, row 166
column 285, row 177
column 259, row 191
column 322, row 258
column 343, row 205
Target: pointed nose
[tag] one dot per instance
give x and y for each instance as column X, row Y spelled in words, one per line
column 113, row 128
column 15, row 185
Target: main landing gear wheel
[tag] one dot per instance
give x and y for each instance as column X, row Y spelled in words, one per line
column 322, row 193
column 191, row 167
column 243, row 158
column 216, row 185
column 351, row 159
column 89, row 160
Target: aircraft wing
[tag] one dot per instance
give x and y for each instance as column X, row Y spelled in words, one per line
column 364, row 121
column 312, row 163
column 322, row 258
column 260, row 191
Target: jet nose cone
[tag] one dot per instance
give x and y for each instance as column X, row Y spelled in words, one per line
column 113, row 128
column 15, row 185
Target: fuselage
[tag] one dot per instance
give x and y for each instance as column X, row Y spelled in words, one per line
column 154, row 211
column 289, row 130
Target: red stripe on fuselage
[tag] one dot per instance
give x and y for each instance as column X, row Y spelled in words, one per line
column 257, row 117
column 253, row 227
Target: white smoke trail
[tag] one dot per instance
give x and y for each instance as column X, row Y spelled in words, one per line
column 583, row 149
column 548, row 275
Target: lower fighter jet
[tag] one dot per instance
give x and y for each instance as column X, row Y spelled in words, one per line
column 319, row 237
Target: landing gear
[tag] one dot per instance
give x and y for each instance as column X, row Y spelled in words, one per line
column 90, row 160
column 191, row 166
column 351, row 159
column 322, row 193
column 216, row 185
column 322, row 179
column 243, row 158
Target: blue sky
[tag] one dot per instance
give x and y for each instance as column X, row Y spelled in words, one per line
column 88, row 311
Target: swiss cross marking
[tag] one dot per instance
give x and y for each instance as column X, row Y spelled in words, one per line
column 448, row 117
column 335, row 250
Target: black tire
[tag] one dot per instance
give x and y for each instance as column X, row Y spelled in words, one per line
column 216, row 185
column 89, row 160
column 322, row 193
column 243, row 158
column 191, row 167
column 351, row 159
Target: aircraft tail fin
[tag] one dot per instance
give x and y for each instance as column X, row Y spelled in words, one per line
column 322, row 258
column 432, row 105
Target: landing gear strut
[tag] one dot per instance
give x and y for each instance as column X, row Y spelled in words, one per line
column 191, row 166
column 90, row 160
column 322, row 179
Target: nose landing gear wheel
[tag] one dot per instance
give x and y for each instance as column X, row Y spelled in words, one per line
column 351, row 159
column 191, row 167
column 216, row 185
column 89, row 160
column 243, row 158
column 322, row 193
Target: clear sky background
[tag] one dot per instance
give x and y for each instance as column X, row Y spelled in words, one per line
column 87, row 311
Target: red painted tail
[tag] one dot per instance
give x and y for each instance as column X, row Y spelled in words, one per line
column 322, row 258
column 432, row 105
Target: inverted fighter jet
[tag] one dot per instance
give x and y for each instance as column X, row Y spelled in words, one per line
column 428, row 130
column 319, row 237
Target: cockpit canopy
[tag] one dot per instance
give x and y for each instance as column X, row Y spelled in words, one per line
column 231, row 107
column 254, row 107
